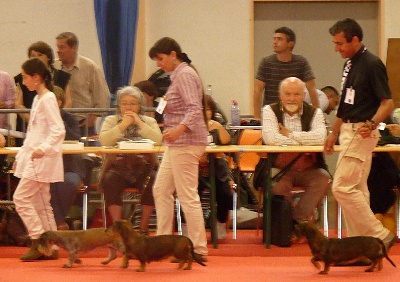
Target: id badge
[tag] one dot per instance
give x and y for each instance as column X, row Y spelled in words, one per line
column 161, row 105
column 349, row 98
column 210, row 139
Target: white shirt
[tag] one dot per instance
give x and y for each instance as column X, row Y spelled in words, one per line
column 322, row 98
column 271, row 135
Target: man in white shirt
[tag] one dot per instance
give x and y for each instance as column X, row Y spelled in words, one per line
column 328, row 98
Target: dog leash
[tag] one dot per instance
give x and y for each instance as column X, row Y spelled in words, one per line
column 351, row 141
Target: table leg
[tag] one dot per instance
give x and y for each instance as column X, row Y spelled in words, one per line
column 267, row 201
column 213, row 200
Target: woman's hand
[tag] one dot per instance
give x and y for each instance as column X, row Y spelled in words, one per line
column 130, row 118
column 171, row 135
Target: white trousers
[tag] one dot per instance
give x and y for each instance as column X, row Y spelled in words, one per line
column 350, row 182
column 178, row 173
column 32, row 202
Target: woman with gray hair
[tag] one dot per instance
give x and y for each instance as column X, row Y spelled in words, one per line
column 121, row 171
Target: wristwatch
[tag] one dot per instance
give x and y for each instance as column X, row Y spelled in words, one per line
column 373, row 124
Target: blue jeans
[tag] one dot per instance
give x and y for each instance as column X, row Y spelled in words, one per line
column 63, row 195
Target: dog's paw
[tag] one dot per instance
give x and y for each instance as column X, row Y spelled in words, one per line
column 78, row 261
column 124, row 262
column 106, row 261
column 67, row 265
column 323, row 272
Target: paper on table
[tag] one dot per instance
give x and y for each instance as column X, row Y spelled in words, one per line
column 136, row 144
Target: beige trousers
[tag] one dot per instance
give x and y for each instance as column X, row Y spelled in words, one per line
column 178, row 173
column 32, row 202
column 350, row 182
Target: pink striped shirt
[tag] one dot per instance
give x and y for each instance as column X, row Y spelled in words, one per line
column 7, row 96
column 184, row 106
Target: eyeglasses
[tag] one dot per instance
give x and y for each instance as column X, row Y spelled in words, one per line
column 129, row 104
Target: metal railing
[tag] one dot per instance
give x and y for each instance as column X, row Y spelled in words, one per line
column 102, row 112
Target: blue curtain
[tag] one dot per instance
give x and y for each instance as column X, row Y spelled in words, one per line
column 116, row 22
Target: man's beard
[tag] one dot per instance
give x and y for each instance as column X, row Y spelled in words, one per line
column 291, row 108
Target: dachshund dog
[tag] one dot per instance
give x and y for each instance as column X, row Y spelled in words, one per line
column 153, row 248
column 77, row 241
column 350, row 249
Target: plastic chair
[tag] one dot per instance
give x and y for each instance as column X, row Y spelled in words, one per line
column 248, row 162
column 91, row 195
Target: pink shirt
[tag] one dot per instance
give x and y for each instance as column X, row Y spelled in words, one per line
column 7, row 96
column 184, row 106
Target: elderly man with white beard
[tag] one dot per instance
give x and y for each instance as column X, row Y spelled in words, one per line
column 292, row 121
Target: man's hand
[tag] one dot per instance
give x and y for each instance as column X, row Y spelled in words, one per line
column 329, row 143
column 283, row 130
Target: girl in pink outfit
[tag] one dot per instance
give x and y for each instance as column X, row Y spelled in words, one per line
column 39, row 161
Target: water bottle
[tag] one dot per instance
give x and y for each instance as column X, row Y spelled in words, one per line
column 209, row 90
column 235, row 113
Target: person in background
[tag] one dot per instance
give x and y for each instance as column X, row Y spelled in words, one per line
column 150, row 94
column 129, row 170
column 328, row 98
column 39, row 161
column 185, row 136
column 7, row 97
column 223, row 177
column 365, row 102
column 24, row 97
column 274, row 68
column 63, row 194
column 88, row 85
column 294, row 122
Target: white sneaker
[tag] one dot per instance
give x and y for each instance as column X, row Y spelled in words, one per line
column 221, row 230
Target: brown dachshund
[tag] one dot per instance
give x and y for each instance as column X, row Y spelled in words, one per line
column 153, row 248
column 77, row 241
column 350, row 249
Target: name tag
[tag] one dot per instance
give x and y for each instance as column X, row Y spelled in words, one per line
column 350, row 93
column 161, row 106
column 210, row 139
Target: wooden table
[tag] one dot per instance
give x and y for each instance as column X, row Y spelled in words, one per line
column 268, row 185
column 223, row 149
column 211, row 150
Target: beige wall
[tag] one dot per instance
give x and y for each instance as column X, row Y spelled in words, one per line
column 218, row 36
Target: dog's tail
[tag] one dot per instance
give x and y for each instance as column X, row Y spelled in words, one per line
column 384, row 251
column 197, row 257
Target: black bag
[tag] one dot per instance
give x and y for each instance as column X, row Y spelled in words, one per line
column 282, row 222
column 13, row 231
column 260, row 173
